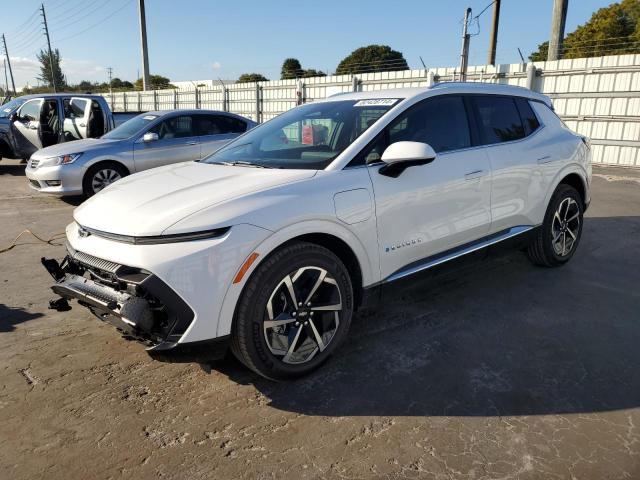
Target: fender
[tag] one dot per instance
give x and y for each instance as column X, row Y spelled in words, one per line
column 369, row 267
column 573, row 167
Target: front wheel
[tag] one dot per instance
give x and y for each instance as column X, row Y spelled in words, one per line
column 293, row 313
column 559, row 235
column 100, row 176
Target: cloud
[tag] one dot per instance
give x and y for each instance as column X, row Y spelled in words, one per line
column 216, row 65
column 26, row 70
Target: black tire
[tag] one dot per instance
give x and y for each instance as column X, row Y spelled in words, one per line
column 249, row 332
column 541, row 251
column 88, row 180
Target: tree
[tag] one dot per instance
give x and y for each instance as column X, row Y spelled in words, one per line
column 45, row 68
column 252, row 77
column 119, row 84
column 291, row 68
column 312, row 72
column 612, row 30
column 372, row 58
column 158, row 82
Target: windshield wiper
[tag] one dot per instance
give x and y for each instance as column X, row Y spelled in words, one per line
column 243, row 163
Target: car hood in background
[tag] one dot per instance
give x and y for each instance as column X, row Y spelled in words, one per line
column 75, row 146
column 149, row 202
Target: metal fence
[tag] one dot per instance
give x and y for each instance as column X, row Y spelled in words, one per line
column 598, row 97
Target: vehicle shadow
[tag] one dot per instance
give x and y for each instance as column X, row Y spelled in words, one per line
column 502, row 338
column 74, row 200
column 15, row 169
column 10, row 317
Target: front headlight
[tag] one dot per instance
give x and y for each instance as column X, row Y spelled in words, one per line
column 60, row 160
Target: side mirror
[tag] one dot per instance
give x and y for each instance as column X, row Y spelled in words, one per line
column 401, row 155
column 13, row 117
column 150, row 137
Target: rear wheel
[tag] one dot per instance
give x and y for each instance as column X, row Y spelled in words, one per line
column 100, row 176
column 293, row 313
column 559, row 236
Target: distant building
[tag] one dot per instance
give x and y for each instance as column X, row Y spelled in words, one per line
column 206, row 84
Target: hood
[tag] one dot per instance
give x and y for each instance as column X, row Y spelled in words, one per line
column 149, row 202
column 76, row 146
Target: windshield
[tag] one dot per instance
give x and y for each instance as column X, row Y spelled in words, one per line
column 7, row 108
column 130, row 127
column 306, row 137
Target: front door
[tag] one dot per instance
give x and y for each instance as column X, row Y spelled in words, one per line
column 431, row 208
column 26, row 128
column 177, row 142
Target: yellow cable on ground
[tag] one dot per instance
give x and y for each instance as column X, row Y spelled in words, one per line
column 49, row 241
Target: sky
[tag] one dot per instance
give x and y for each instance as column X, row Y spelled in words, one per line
column 210, row 39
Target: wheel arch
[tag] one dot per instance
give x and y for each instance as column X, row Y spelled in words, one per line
column 342, row 250
column 330, row 235
column 576, row 181
column 101, row 161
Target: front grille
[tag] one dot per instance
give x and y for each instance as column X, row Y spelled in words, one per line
column 33, row 163
column 35, row 183
column 94, row 262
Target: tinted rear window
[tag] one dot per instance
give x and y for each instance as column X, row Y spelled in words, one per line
column 498, row 118
column 529, row 119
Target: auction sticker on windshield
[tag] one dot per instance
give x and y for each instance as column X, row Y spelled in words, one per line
column 149, row 117
column 376, row 102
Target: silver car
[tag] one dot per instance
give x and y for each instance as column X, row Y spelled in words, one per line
column 146, row 141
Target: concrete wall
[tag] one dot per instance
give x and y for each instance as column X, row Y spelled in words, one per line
column 597, row 97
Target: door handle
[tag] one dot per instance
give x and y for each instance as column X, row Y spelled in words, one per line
column 191, row 143
column 33, row 127
column 545, row 159
column 474, row 175
column 82, row 125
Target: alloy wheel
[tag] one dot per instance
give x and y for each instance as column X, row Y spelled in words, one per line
column 104, row 177
column 565, row 226
column 302, row 315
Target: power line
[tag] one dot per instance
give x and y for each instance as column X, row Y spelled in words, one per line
column 126, row 3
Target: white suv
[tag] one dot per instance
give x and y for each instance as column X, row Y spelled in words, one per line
column 270, row 244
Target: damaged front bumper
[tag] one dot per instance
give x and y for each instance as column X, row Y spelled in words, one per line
column 133, row 300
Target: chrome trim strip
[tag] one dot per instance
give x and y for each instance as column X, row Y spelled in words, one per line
column 482, row 243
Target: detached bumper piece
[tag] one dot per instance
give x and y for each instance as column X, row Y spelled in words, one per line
column 135, row 301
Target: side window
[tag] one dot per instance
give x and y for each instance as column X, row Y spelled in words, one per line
column 498, row 119
column 233, row 125
column 529, row 119
column 74, row 107
column 219, row 124
column 176, row 127
column 30, row 111
column 441, row 122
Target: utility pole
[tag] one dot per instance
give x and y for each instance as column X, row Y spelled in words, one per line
column 6, row 80
column 493, row 37
column 46, row 31
column 464, row 55
column 110, row 71
column 143, row 39
column 6, row 52
column 558, row 21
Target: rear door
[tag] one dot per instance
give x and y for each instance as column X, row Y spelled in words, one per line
column 509, row 130
column 431, row 208
column 177, row 142
column 215, row 131
column 76, row 116
column 26, row 127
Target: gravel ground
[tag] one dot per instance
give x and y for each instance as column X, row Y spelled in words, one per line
column 501, row 371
